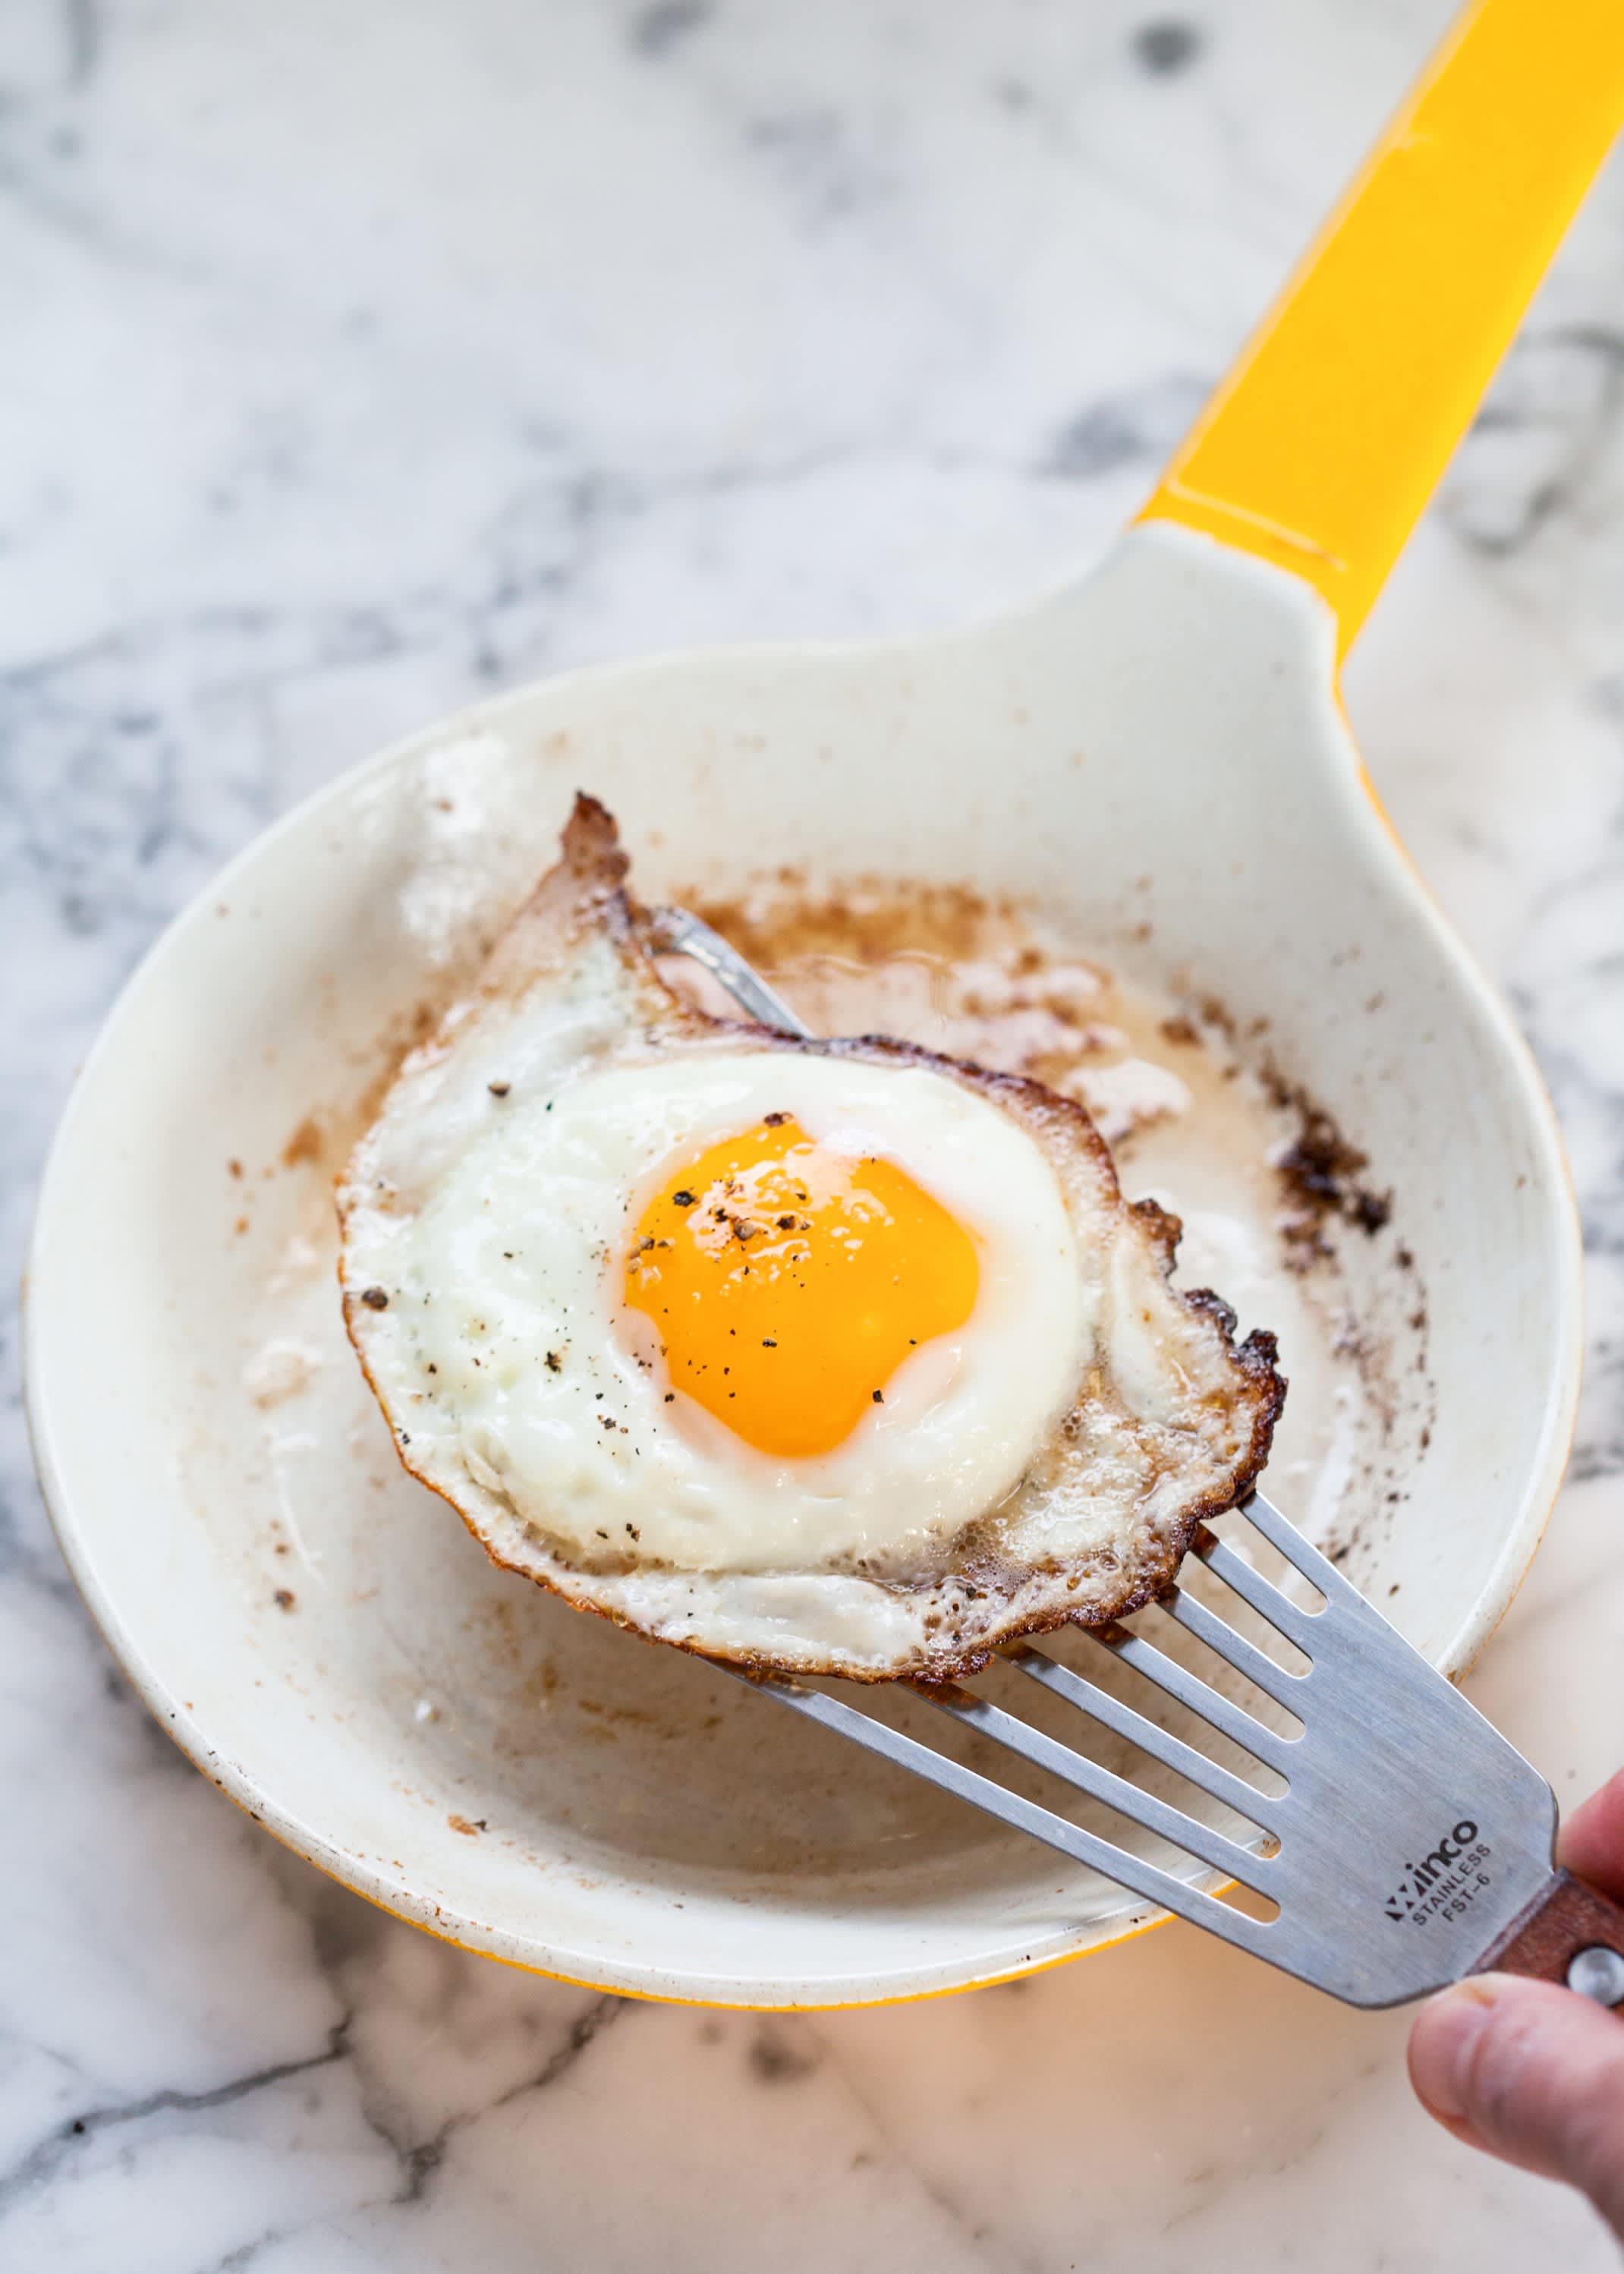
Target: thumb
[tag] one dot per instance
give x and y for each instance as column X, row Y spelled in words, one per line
column 1531, row 2073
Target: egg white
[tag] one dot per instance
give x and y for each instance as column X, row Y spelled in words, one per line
column 1046, row 1464
column 510, row 1284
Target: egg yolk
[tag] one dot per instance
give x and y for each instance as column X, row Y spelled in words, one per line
column 788, row 1282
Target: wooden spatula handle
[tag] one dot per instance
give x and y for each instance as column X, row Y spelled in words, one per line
column 1570, row 1920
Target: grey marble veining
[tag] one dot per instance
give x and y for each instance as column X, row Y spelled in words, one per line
column 356, row 362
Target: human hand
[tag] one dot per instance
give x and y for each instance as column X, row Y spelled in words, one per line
column 1530, row 2072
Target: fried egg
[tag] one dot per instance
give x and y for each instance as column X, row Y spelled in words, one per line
column 830, row 1357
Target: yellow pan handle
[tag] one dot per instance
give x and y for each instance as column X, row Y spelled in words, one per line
column 1322, row 447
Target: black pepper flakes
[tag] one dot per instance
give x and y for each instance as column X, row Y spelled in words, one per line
column 375, row 1299
column 498, row 1089
column 683, row 1199
column 768, row 1345
column 878, row 1399
column 555, row 1363
column 774, row 1120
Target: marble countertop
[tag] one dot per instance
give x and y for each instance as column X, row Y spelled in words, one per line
column 356, row 361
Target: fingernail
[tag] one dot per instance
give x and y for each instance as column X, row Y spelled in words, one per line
column 1445, row 2036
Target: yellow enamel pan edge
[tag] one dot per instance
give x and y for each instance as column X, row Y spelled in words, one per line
column 1321, row 449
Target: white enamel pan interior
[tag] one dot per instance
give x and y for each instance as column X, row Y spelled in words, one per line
column 1154, row 761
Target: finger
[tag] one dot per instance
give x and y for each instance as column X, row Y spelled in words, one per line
column 1530, row 2072
column 1592, row 1842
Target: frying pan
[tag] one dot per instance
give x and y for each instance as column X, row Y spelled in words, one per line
column 1154, row 760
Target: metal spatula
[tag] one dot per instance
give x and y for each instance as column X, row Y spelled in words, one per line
column 1411, row 1844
